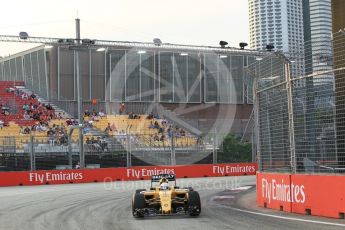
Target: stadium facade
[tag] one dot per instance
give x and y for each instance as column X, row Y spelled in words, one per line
column 194, row 81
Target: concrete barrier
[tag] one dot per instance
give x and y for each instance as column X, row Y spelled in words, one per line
column 123, row 174
column 319, row 195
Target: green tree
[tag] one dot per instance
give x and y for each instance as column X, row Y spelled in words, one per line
column 234, row 150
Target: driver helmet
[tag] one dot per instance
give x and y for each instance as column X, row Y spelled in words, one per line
column 164, row 184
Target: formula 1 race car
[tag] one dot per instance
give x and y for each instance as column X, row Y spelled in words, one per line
column 165, row 199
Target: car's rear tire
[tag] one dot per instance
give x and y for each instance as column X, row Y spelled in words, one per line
column 138, row 205
column 194, row 203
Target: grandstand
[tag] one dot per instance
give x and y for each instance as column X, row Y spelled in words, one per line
column 14, row 139
column 191, row 92
column 192, row 85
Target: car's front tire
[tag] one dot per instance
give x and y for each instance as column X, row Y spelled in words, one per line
column 194, row 203
column 138, row 205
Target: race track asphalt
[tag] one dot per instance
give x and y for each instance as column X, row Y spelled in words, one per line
column 108, row 206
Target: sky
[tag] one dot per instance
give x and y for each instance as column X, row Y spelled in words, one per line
column 192, row 22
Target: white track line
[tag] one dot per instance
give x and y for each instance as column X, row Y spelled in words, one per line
column 243, row 188
column 286, row 218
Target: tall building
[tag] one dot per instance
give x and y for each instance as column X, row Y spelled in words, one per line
column 277, row 22
column 317, row 17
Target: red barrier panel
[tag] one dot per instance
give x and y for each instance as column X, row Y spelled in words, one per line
column 273, row 191
column 324, row 195
column 320, row 195
column 113, row 174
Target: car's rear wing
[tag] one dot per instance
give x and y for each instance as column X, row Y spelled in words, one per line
column 157, row 178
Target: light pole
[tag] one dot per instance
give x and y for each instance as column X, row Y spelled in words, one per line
column 128, row 135
column 80, row 112
column 173, row 153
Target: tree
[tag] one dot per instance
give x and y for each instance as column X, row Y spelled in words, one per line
column 234, row 150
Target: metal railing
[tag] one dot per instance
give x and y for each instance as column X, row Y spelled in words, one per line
column 40, row 152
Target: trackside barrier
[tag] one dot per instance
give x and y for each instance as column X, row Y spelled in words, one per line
column 123, row 174
column 319, row 195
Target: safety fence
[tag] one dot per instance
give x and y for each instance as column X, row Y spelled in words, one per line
column 299, row 107
column 38, row 151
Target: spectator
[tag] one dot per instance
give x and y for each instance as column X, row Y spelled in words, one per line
column 5, row 110
column 1, row 124
column 51, row 138
column 33, row 107
column 108, row 129
column 50, row 132
column 38, row 128
column 95, row 117
column 33, row 127
column 59, row 116
column 164, row 122
column 97, row 143
column 24, row 96
column 150, row 116
column 94, row 113
column 90, row 123
column 27, row 130
column 27, row 116
column 101, row 114
column 88, row 141
column 63, row 139
column 69, row 122
column 122, row 108
column 87, row 113
column 49, row 107
column 17, row 92
column 183, row 133
column 162, row 138
column 113, row 127
column 26, row 107
column 156, row 137
column 36, row 116
column 104, row 143
column 10, row 90
column 151, row 126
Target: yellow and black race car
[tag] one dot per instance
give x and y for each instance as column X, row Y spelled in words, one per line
column 165, row 199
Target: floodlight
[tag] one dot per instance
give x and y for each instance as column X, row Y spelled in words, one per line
column 157, row 41
column 243, row 44
column 23, row 35
column 270, row 47
column 223, row 44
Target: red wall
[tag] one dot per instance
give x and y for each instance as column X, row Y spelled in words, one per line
column 267, row 193
column 113, row 174
column 323, row 195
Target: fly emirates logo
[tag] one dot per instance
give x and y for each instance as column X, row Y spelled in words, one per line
column 233, row 169
column 280, row 191
column 138, row 173
column 54, row 176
